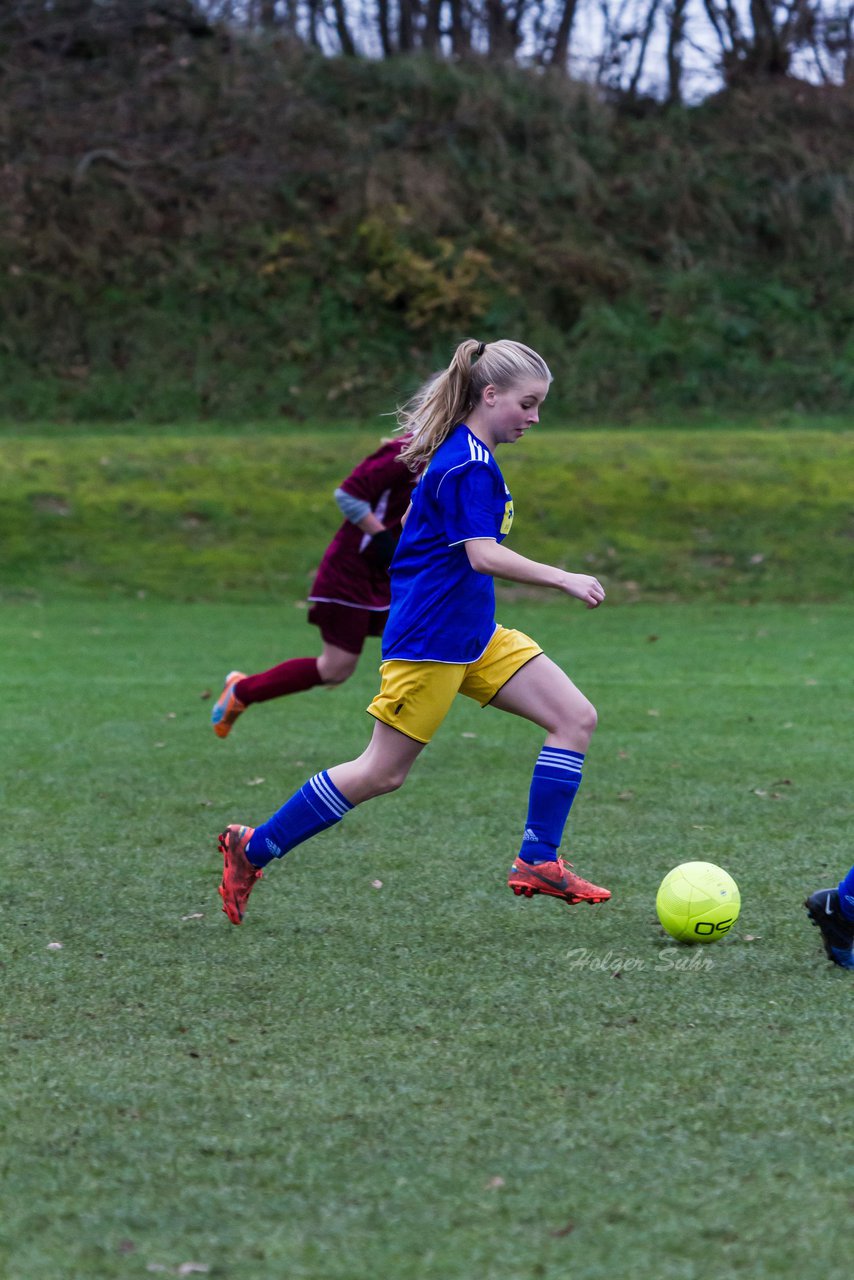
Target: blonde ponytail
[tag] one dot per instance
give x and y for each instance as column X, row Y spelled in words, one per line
column 444, row 401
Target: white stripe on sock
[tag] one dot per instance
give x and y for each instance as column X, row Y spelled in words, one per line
column 332, row 801
column 565, row 761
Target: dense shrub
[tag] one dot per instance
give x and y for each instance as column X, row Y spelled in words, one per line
column 195, row 226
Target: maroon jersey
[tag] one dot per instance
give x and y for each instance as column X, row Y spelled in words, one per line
column 348, row 575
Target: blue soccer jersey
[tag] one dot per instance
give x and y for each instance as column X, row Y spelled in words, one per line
column 442, row 610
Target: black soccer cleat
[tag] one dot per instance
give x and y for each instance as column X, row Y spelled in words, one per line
column 837, row 931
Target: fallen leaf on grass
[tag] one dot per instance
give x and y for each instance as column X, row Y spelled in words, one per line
column 564, row 1231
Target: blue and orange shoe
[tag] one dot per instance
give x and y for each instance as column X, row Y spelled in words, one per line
column 837, row 931
column 227, row 707
column 556, row 879
column 238, row 874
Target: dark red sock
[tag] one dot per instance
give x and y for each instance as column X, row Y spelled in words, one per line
column 288, row 677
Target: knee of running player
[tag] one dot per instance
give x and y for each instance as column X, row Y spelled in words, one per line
column 382, row 767
column 388, row 776
column 336, row 668
column 575, row 718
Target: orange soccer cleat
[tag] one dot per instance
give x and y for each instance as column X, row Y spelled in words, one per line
column 238, row 874
column 554, row 878
column 227, row 707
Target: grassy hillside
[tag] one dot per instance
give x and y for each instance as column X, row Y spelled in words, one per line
column 220, row 230
column 741, row 516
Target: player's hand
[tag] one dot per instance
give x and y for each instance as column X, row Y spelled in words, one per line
column 381, row 547
column 589, row 590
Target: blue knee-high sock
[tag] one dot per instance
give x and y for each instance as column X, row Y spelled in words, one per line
column 556, row 778
column 317, row 805
column 846, row 895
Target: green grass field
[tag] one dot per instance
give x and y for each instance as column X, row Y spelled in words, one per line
column 737, row 515
column 395, row 1070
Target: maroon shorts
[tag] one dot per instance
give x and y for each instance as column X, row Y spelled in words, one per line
column 345, row 626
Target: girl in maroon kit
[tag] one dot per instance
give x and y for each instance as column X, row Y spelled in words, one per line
column 351, row 593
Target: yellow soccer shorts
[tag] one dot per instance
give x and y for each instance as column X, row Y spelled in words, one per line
column 415, row 697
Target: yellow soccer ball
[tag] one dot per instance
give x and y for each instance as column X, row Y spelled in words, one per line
column 698, row 902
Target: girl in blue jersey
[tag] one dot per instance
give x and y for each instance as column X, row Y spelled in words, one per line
column 441, row 637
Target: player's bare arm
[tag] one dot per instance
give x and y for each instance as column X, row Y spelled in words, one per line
column 487, row 556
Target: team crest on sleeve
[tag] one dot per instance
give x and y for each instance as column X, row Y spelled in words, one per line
column 508, row 513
